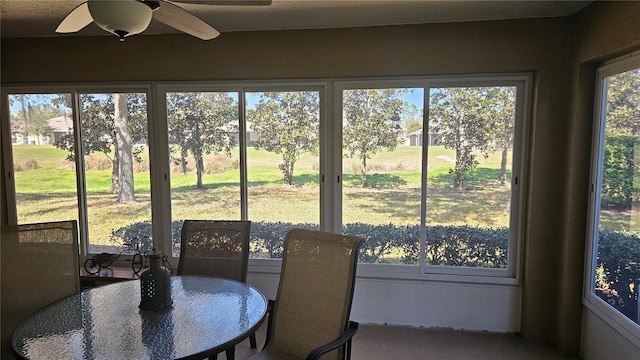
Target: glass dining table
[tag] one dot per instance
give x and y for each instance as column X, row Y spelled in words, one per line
column 208, row 315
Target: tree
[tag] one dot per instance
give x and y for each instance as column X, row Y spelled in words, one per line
column 623, row 97
column 502, row 113
column 621, row 139
column 462, row 118
column 25, row 117
column 413, row 125
column 287, row 123
column 201, row 124
column 371, row 122
column 98, row 133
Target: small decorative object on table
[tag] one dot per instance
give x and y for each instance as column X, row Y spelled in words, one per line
column 155, row 285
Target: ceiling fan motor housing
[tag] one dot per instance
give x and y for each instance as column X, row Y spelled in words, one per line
column 120, row 17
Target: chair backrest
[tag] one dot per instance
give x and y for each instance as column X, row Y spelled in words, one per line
column 215, row 248
column 39, row 266
column 315, row 292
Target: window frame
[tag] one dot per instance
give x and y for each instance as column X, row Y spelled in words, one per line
column 625, row 326
column 83, row 216
column 509, row 275
column 241, row 88
column 330, row 201
column 74, row 90
column 162, row 200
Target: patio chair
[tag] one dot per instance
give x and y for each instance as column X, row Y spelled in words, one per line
column 39, row 266
column 310, row 315
column 217, row 248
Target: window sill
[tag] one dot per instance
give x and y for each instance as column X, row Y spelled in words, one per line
column 618, row 322
column 403, row 272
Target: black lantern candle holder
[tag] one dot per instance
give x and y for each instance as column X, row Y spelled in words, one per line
column 155, row 285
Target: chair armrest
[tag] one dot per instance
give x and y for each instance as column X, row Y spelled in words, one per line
column 343, row 339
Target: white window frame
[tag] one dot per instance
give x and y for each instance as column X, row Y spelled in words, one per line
column 330, row 160
column 162, row 198
column 83, row 222
column 74, row 91
column 625, row 326
column 161, row 156
column 509, row 275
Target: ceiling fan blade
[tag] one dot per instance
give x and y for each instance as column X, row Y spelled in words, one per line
column 181, row 19
column 224, row 2
column 76, row 20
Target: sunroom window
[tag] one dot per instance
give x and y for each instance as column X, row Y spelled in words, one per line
column 381, row 171
column 431, row 174
column 110, row 164
column 615, row 222
column 204, row 141
column 426, row 169
column 283, row 166
column 115, row 151
column 470, row 175
column 44, row 176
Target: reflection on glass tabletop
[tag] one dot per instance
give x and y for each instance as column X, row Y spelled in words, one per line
column 208, row 315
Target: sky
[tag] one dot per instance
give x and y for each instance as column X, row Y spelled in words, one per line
column 415, row 98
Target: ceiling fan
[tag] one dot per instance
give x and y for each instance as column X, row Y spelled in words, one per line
column 129, row 17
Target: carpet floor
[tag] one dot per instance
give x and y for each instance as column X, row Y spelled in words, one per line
column 396, row 342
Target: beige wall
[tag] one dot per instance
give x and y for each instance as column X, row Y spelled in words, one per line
column 381, row 51
column 559, row 137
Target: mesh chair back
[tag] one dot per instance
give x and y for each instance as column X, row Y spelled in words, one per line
column 39, row 266
column 315, row 292
column 215, row 248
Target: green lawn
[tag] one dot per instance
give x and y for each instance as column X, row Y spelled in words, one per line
column 47, row 191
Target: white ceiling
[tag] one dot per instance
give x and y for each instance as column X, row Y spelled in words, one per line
column 39, row 18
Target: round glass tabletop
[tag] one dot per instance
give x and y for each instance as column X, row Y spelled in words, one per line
column 207, row 316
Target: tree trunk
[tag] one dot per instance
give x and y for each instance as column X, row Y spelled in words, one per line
column 457, row 181
column 503, row 167
column 25, row 139
column 459, row 169
column 124, row 150
column 363, row 172
column 199, row 171
column 183, row 164
column 115, row 185
column 288, row 172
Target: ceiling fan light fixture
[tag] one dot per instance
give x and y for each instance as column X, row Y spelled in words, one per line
column 120, row 17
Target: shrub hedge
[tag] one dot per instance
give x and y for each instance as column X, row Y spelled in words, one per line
column 618, row 260
column 618, row 255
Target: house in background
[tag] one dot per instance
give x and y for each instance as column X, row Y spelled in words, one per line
column 54, row 129
column 548, row 302
column 415, row 139
column 60, row 126
column 250, row 136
